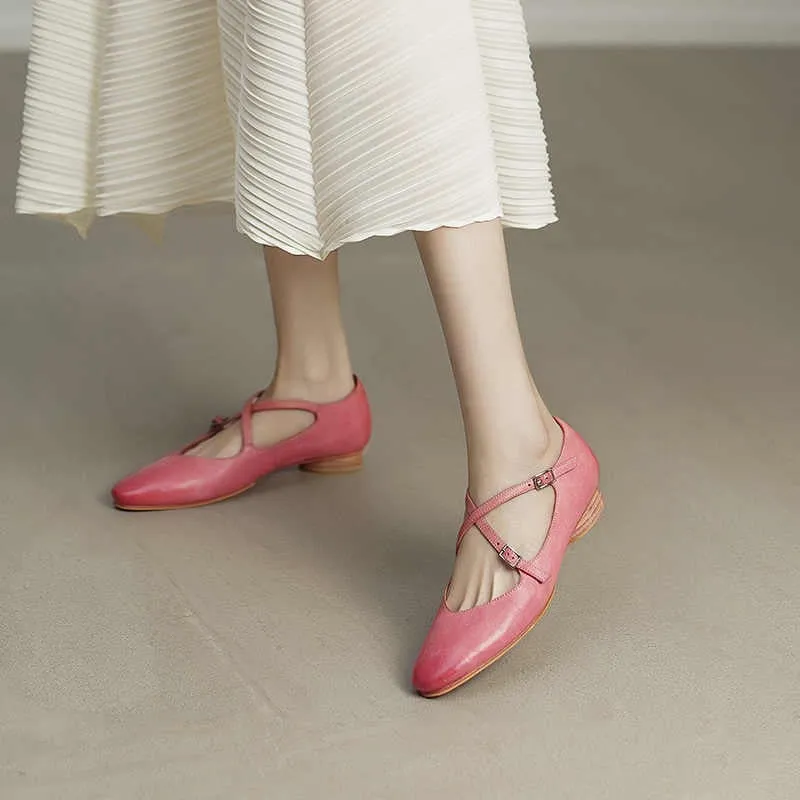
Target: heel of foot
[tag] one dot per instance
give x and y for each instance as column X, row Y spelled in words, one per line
column 336, row 465
column 590, row 517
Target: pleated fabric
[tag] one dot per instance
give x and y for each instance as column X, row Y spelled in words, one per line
column 323, row 121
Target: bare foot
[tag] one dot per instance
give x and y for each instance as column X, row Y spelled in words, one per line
column 479, row 575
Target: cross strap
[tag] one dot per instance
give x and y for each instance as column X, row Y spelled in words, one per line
column 256, row 405
column 476, row 517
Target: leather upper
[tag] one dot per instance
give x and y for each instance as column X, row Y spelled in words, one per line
column 180, row 479
column 461, row 643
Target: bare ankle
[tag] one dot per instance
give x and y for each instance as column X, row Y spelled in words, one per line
column 503, row 462
column 319, row 386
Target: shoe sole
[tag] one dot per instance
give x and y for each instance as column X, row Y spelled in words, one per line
column 585, row 524
column 338, row 465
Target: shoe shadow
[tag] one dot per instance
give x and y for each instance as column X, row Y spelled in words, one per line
column 391, row 556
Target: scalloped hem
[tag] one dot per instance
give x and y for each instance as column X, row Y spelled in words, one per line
column 154, row 223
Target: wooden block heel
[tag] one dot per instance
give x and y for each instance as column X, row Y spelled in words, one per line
column 590, row 516
column 338, row 465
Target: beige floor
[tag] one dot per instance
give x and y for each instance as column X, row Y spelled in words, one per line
column 262, row 648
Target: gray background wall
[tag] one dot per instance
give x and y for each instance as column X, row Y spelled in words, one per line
column 664, row 21
column 592, row 21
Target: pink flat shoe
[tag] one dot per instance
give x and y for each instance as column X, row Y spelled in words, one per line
column 333, row 443
column 460, row 644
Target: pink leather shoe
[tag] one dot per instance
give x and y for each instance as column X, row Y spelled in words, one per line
column 460, row 644
column 333, row 443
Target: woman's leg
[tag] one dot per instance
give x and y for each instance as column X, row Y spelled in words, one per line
column 313, row 362
column 510, row 433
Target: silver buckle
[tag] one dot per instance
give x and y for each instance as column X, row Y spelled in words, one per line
column 544, row 480
column 510, row 556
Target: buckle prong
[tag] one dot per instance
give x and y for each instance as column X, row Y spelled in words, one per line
column 544, row 480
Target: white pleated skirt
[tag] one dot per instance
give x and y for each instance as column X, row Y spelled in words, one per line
column 322, row 121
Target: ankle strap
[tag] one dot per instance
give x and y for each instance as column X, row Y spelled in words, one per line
column 476, row 516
